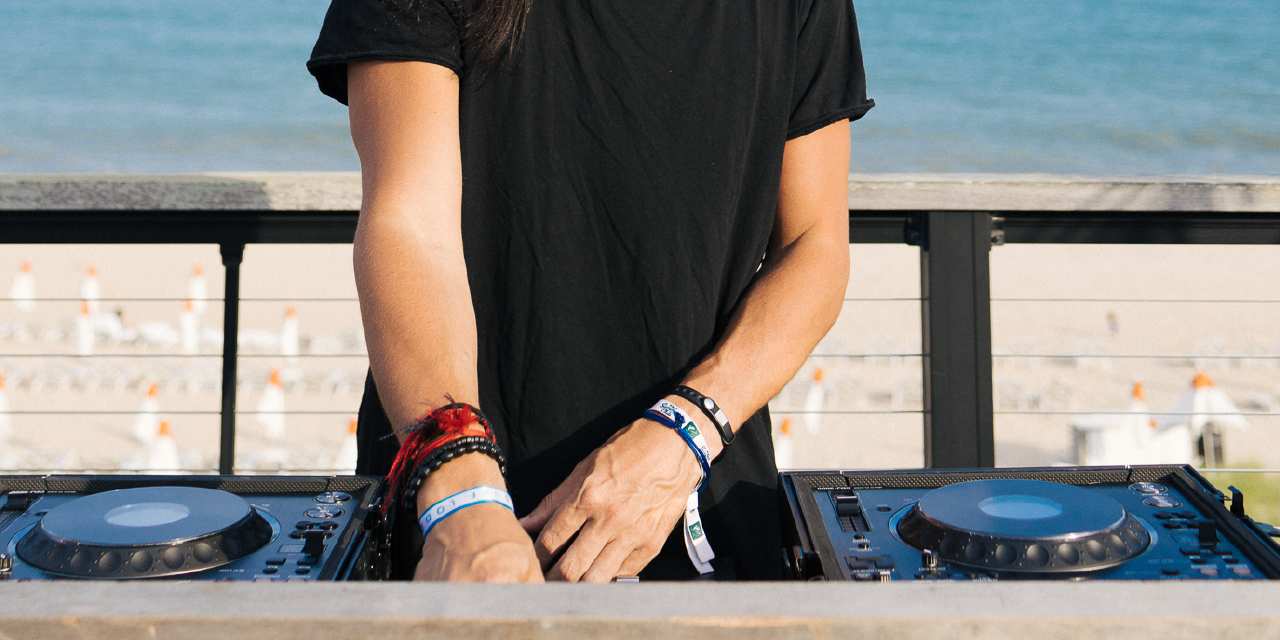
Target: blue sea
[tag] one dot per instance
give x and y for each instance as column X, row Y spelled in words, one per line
column 1072, row 86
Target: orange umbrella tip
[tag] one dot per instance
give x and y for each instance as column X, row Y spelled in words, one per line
column 1202, row 380
column 84, row 307
column 817, row 374
column 1139, row 393
column 93, row 270
column 275, row 377
column 197, row 271
column 786, row 426
column 153, row 389
column 351, row 429
column 1, row 382
column 26, row 266
column 164, row 429
column 290, row 311
column 189, row 305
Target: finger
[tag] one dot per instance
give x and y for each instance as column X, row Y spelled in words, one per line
column 558, row 534
column 580, row 555
column 607, row 564
column 537, row 519
column 638, row 560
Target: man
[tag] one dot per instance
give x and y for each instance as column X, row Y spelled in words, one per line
column 646, row 195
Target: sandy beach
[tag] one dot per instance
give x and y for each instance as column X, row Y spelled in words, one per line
column 1055, row 360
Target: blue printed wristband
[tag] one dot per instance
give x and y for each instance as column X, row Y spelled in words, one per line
column 461, row 500
column 703, row 461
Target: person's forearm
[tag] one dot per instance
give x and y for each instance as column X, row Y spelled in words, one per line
column 793, row 302
column 417, row 314
column 797, row 294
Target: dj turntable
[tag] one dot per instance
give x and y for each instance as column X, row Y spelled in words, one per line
column 1146, row 522
column 191, row 528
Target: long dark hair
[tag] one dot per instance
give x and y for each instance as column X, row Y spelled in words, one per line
column 492, row 31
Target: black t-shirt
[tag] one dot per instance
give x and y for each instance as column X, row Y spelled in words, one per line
column 619, row 188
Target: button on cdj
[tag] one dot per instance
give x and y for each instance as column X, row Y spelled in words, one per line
column 1162, row 502
column 302, row 571
column 1241, row 570
column 270, row 570
column 1164, row 515
column 303, row 525
column 1231, row 560
column 1198, row 560
column 324, row 511
column 326, row 526
column 1149, row 488
column 333, row 497
column 302, row 562
column 1208, row 572
column 276, row 561
column 1170, row 572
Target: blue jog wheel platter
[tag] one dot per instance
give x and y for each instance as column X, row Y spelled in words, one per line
column 1023, row 525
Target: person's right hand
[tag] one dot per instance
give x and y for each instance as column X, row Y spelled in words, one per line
column 480, row 543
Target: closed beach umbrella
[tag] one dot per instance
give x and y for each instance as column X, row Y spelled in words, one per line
column 783, row 448
column 271, row 409
column 146, row 423
column 23, row 291
column 91, row 291
column 346, row 458
column 163, row 456
column 198, row 290
column 813, row 402
column 189, row 329
column 6, row 421
column 289, row 334
column 84, row 331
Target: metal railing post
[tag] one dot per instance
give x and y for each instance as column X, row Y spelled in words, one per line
column 955, row 303
column 232, row 256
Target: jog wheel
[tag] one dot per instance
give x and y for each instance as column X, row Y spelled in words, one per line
column 144, row 533
column 1024, row 526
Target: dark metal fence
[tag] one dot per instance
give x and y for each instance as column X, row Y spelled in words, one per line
column 954, row 270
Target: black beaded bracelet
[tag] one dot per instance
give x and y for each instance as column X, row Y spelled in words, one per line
column 711, row 409
column 447, row 452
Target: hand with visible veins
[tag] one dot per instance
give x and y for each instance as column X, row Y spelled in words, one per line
column 479, row 543
column 611, row 516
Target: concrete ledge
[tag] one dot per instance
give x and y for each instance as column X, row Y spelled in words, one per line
column 340, row 191
column 1044, row 192
column 316, row 191
column 921, row 611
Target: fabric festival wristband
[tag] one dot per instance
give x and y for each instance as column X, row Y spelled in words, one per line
column 461, row 500
column 695, row 539
column 670, row 415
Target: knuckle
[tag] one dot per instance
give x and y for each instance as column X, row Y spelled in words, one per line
column 593, row 496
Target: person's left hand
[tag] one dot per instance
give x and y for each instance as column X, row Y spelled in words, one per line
column 611, row 516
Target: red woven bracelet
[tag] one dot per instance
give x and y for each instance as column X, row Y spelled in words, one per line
column 444, row 425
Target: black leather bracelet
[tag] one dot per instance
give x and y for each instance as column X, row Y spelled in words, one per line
column 711, row 409
column 447, row 452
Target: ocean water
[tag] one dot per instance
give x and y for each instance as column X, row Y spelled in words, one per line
column 1073, row 86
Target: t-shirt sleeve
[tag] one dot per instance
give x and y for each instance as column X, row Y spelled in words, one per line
column 422, row 30
column 830, row 84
